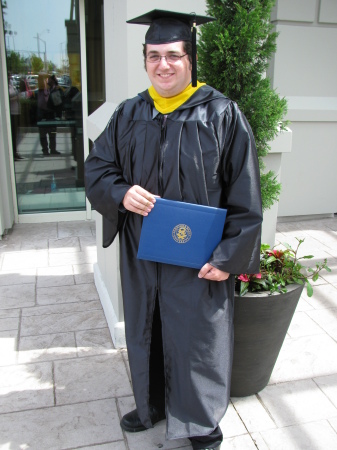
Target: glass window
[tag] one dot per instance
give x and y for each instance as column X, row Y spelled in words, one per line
column 42, row 42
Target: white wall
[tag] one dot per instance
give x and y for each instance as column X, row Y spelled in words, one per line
column 304, row 70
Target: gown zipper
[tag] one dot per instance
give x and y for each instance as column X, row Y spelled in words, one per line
column 163, row 122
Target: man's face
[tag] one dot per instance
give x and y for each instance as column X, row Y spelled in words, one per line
column 168, row 79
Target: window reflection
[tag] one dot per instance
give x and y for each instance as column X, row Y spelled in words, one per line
column 44, row 87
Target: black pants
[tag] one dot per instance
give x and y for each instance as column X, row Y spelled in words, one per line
column 51, row 132
column 157, row 383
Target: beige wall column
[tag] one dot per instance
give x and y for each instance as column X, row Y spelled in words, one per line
column 125, row 77
column 304, row 70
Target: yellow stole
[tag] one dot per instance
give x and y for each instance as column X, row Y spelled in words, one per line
column 167, row 105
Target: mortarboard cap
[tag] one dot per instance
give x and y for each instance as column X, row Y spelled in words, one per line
column 170, row 26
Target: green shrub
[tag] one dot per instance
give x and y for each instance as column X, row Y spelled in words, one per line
column 234, row 53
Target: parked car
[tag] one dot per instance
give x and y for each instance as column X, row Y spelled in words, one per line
column 32, row 80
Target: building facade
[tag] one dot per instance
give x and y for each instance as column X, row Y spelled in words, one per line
column 97, row 61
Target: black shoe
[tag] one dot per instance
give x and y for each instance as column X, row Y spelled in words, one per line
column 131, row 422
column 54, row 152
column 18, row 157
column 45, row 153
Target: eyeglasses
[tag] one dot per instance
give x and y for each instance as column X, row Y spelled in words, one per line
column 171, row 59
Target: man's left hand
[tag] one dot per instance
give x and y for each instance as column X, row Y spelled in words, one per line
column 209, row 272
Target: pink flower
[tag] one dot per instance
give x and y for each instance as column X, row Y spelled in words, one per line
column 243, row 277
column 277, row 253
column 257, row 275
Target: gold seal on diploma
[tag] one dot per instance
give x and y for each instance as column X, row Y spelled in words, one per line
column 181, row 233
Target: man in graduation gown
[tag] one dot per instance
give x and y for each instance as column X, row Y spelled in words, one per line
column 191, row 144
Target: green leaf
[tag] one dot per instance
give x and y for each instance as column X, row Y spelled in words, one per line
column 310, row 290
column 243, row 288
column 307, row 257
column 315, row 277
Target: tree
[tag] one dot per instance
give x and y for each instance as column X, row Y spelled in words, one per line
column 37, row 64
column 15, row 62
column 234, row 53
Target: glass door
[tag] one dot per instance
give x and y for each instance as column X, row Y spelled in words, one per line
column 43, row 53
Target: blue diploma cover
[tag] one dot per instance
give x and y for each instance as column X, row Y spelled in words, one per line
column 181, row 233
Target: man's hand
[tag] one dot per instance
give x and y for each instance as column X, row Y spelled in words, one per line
column 209, row 272
column 138, row 200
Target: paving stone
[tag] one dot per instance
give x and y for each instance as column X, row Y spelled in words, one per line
column 325, row 296
column 75, row 228
column 296, row 402
column 83, row 273
column 17, row 296
column 23, row 276
column 87, row 242
column 259, row 441
column 26, row 387
column 152, row 438
column 9, row 324
column 8, row 345
column 327, row 320
column 119, row 445
column 94, row 342
column 253, row 414
column 331, row 277
column 9, row 246
column 28, row 231
column 65, row 245
column 53, row 323
column 310, row 436
column 231, row 424
column 333, row 423
column 244, row 442
column 63, row 427
column 62, row 308
column 36, row 243
column 55, row 276
column 25, row 260
column 64, row 294
column 88, row 256
column 303, row 305
column 9, row 313
column 305, row 357
column 48, row 347
column 328, row 385
column 302, row 325
column 91, row 378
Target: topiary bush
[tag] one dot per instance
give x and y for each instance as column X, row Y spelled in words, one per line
column 234, row 53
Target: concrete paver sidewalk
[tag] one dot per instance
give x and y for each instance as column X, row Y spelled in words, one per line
column 64, row 386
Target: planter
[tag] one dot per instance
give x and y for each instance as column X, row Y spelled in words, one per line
column 260, row 326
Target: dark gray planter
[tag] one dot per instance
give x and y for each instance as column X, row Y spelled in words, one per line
column 260, row 326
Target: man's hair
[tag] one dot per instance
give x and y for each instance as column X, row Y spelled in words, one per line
column 187, row 48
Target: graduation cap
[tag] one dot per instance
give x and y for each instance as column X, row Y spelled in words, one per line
column 170, row 26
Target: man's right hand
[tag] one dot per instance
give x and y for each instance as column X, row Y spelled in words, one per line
column 138, row 200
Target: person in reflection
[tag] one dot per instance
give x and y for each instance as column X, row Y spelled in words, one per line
column 187, row 142
column 15, row 111
column 47, row 112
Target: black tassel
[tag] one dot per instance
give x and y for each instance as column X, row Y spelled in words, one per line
column 194, row 53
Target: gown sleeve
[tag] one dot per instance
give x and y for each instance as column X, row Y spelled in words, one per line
column 104, row 182
column 239, row 250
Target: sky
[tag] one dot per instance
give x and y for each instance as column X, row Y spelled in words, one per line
column 44, row 17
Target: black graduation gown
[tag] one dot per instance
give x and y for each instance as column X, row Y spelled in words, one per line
column 204, row 153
